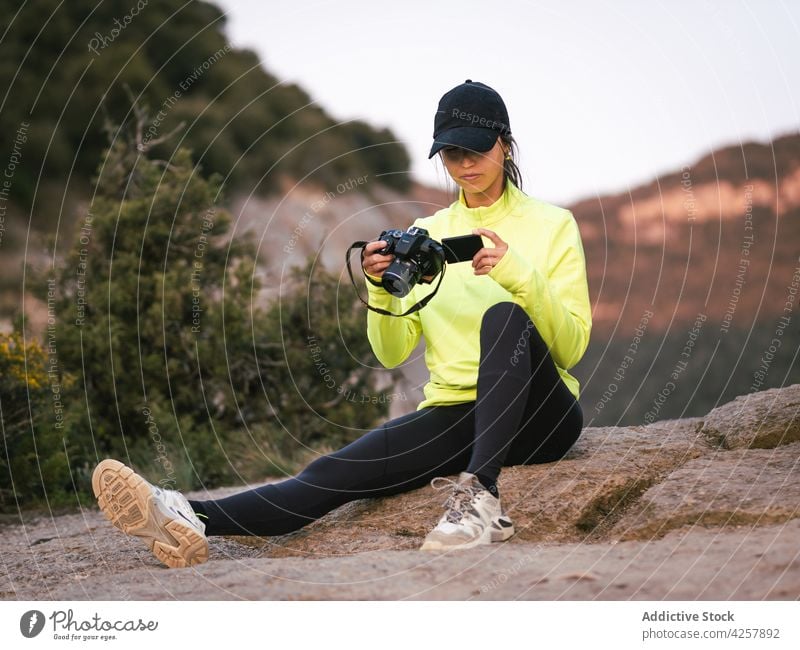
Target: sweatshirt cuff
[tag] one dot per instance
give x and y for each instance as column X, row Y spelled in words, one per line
column 512, row 271
column 378, row 296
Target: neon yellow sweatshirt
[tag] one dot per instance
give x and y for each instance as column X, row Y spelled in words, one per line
column 543, row 271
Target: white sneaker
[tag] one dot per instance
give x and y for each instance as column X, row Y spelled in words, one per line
column 473, row 516
column 163, row 518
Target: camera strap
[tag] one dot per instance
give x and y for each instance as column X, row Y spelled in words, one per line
column 360, row 245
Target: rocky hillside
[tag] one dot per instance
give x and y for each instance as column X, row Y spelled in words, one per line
column 677, row 243
column 699, row 508
column 307, row 220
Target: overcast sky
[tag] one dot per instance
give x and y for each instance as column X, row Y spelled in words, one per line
column 602, row 96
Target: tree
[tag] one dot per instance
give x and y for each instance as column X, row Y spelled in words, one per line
column 241, row 120
column 180, row 368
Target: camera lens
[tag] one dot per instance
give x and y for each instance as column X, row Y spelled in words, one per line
column 400, row 277
column 395, row 286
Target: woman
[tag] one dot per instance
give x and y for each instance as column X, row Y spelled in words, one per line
column 500, row 336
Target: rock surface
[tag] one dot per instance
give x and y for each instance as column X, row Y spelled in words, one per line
column 757, row 420
column 736, row 488
column 679, row 509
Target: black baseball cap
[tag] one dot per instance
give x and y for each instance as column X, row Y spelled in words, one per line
column 471, row 116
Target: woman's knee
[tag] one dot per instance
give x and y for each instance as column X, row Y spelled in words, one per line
column 320, row 472
column 357, row 464
column 504, row 314
column 507, row 330
column 546, row 441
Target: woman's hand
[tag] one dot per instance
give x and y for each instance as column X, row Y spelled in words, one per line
column 487, row 258
column 373, row 263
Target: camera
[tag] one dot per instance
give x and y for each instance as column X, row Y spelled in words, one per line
column 416, row 256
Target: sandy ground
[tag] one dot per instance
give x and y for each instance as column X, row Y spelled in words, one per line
column 81, row 557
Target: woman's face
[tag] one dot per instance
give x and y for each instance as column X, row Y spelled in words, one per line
column 474, row 171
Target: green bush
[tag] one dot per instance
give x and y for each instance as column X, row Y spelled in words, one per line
column 34, row 463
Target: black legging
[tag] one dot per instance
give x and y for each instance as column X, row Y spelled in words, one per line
column 524, row 413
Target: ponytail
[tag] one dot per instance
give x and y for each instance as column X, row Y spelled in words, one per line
column 511, row 173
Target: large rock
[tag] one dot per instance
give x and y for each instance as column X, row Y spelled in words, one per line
column 727, row 488
column 575, row 499
column 757, row 420
column 615, row 483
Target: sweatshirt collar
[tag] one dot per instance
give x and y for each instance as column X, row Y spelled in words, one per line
column 489, row 214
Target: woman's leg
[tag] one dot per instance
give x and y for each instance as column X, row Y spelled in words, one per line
column 400, row 455
column 524, row 413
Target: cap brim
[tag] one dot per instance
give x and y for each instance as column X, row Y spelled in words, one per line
column 467, row 137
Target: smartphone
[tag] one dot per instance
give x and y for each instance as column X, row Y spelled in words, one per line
column 462, row 248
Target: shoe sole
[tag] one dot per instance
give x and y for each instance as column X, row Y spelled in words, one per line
column 490, row 534
column 129, row 504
